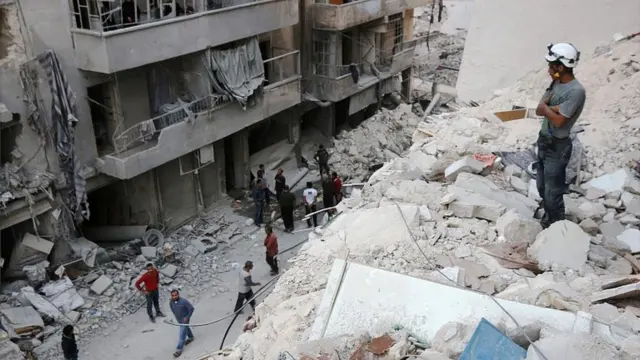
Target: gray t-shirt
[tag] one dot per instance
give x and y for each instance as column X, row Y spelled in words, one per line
column 244, row 281
column 570, row 98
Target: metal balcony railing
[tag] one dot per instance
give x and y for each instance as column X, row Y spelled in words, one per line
column 282, row 67
column 104, row 16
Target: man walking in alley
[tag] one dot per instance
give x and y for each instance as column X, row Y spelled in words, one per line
column 309, row 197
column 281, row 181
column 258, row 199
column 151, row 279
column 182, row 310
column 244, row 287
column 287, row 204
column 322, row 158
column 271, row 244
column 561, row 105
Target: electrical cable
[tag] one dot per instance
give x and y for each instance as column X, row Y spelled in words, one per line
column 455, row 284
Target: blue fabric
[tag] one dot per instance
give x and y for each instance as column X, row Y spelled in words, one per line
column 553, row 158
column 185, row 333
column 259, row 209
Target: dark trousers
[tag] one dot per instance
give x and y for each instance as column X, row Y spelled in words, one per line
column 259, row 211
column 287, row 217
column 338, row 198
column 553, row 157
column 308, row 210
column 153, row 301
column 273, row 263
column 242, row 297
column 267, row 195
column 324, row 167
column 278, row 192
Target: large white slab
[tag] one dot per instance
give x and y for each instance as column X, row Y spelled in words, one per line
column 375, row 300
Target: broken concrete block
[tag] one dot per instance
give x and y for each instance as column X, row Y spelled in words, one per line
column 72, row 316
column 594, row 194
column 205, row 244
column 469, row 205
column 589, row 226
column 515, row 227
column 563, row 244
column 451, row 339
column 149, row 252
column 572, row 346
column 615, row 245
column 466, row 164
column 600, row 255
column 631, row 237
column 630, row 348
column 463, row 251
column 191, row 251
column 485, row 187
column 611, row 228
column 101, row 285
column 620, row 180
column 628, row 219
column 632, row 205
column 448, row 276
column 591, row 210
column 169, row 270
column 519, row 185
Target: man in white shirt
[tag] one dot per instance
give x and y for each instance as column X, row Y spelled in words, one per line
column 309, row 196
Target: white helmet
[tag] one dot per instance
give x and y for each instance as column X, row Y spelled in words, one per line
column 566, row 53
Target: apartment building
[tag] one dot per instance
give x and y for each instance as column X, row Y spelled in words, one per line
column 353, row 54
column 167, row 95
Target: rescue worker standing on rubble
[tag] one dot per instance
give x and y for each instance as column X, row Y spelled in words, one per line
column 561, row 105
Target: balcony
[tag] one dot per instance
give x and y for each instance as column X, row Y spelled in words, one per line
column 328, row 15
column 340, row 85
column 106, row 41
column 193, row 125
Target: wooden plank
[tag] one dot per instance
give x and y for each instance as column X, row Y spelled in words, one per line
column 511, row 114
column 620, row 281
column 634, row 262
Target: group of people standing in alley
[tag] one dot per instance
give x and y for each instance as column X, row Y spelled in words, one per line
column 331, row 193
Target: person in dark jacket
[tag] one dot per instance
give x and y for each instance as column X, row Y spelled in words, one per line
column 182, row 310
column 69, row 345
column 322, row 157
column 287, row 204
column 258, row 198
column 130, row 13
column 328, row 194
column 281, row 181
column 271, row 244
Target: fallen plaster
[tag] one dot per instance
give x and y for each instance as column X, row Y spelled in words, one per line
column 398, row 299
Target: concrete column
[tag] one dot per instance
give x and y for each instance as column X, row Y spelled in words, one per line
column 294, row 125
column 324, row 119
column 241, row 158
column 368, row 49
column 335, row 53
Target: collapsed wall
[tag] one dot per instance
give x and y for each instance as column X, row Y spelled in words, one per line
column 458, row 217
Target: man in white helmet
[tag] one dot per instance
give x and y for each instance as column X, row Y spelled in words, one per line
column 561, row 106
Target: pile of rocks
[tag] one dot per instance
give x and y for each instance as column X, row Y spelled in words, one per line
column 477, row 221
column 377, row 140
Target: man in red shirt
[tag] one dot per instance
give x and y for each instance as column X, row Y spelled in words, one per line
column 151, row 280
column 337, row 186
column 271, row 243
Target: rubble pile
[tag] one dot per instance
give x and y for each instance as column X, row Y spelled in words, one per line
column 475, row 219
column 16, row 182
column 377, row 140
column 98, row 298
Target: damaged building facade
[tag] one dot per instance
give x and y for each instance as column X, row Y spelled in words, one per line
column 353, row 54
column 123, row 113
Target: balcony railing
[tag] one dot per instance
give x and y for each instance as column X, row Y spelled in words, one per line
column 104, row 16
column 149, row 130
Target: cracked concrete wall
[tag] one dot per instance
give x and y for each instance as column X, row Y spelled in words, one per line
column 508, row 38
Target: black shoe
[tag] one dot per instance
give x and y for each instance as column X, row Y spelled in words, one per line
column 153, row 320
column 274, row 273
column 159, row 314
column 189, row 341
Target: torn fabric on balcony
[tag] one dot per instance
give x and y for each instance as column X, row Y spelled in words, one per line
column 237, row 71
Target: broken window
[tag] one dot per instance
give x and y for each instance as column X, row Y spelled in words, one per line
column 322, row 52
column 391, row 40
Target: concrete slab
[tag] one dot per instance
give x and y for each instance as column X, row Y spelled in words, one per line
column 36, row 243
column 619, row 180
column 467, row 164
column 619, row 293
column 611, row 228
column 22, row 319
column 101, row 285
column 468, row 204
column 149, row 252
column 205, row 244
column 169, row 270
column 564, row 244
column 350, row 300
column 485, row 187
column 631, row 237
column 519, row 185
